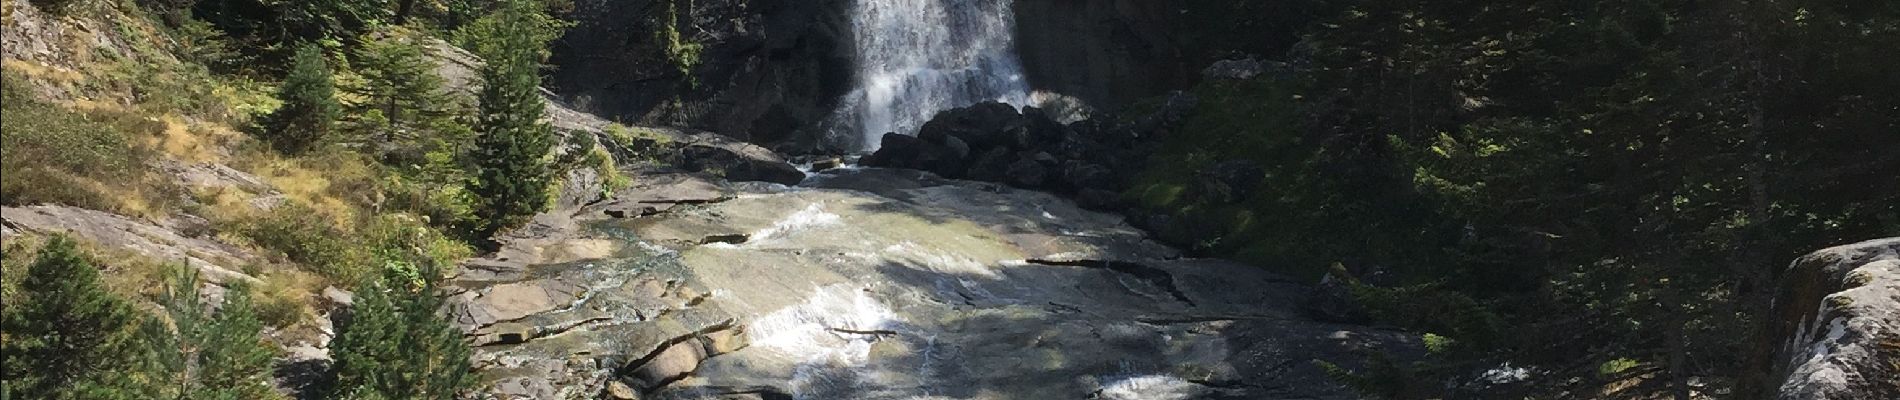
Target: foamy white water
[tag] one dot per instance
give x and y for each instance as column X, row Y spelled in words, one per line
column 918, row 57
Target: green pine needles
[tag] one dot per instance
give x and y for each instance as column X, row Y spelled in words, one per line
column 310, row 108
column 512, row 142
column 205, row 355
column 66, row 335
column 393, row 345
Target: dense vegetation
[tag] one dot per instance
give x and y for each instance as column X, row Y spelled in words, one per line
column 1619, row 181
column 1600, row 193
column 385, row 185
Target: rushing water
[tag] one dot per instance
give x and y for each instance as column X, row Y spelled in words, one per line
column 918, row 57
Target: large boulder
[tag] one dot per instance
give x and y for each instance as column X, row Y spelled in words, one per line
column 997, row 143
column 1837, row 323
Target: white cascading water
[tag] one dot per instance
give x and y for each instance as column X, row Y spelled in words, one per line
column 918, row 57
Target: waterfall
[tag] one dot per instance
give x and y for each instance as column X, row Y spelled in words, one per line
column 917, row 57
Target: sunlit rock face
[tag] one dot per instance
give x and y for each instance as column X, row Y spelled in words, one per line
column 865, row 283
column 1837, row 325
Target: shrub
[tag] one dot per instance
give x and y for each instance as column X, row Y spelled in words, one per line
column 306, row 237
column 393, row 345
column 55, row 6
column 281, row 301
column 612, row 180
column 205, row 355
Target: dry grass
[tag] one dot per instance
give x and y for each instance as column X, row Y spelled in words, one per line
column 283, row 300
column 92, row 159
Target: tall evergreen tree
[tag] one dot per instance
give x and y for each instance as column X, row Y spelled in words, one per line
column 67, row 337
column 310, row 108
column 512, row 147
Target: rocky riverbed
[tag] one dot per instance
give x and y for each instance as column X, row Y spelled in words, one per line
column 874, row 283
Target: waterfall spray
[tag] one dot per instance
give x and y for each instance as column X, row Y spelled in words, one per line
column 917, row 57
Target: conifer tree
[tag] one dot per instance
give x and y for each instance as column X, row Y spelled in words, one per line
column 394, row 345
column 512, row 145
column 413, row 114
column 210, row 355
column 67, row 337
column 310, row 108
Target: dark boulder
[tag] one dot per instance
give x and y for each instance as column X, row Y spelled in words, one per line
column 992, row 165
column 1027, row 172
column 1332, row 301
column 1082, row 175
column 737, row 165
column 896, row 151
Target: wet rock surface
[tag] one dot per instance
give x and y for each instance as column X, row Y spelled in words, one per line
column 873, row 283
column 1089, row 160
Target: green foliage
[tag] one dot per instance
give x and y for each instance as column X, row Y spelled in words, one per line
column 1616, row 366
column 1437, row 344
column 1306, row 210
column 55, row 6
column 682, row 52
column 67, row 337
column 331, row 21
column 1428, row 308
column 209, row 355
column 405, row 114
column 394, row 346
column 310, row 108
column 490, row 36
column 612, row 179
column 1606, row 178
column 1380, row 379
column 511, row 156
column 50, row 154
column 310, row 238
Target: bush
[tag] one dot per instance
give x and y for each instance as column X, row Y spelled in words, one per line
column 612, row 180
column 309, row 238
column 55, row 6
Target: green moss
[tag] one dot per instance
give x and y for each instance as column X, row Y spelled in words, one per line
column 612, row 179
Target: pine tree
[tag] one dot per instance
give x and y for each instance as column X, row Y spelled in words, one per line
column 310, row 108
column 512, row 147
column 209, row 356
column 394, row 345
column 407, row 112
column 66, row 336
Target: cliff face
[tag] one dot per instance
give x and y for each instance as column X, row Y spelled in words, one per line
column 1106, row 53
column 771, row 71
column 1836, row 321
column 765, row 68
